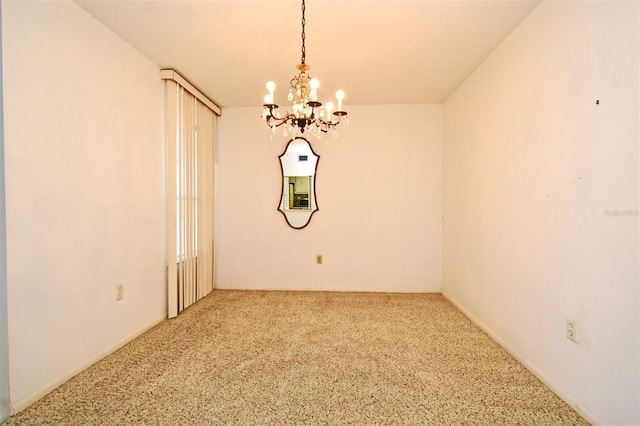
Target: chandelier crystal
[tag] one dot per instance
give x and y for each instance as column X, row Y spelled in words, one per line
column 308, row 115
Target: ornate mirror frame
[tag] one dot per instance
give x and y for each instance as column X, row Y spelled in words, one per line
column 299, row 165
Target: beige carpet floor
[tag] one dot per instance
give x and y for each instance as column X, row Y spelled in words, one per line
column 307, row 358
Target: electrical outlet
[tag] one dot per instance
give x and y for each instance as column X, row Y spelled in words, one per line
column 572, row 330
column 319, row 259
column 119, row 291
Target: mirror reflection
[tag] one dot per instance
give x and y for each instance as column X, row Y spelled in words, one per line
column 298, row 195
column 297, row 200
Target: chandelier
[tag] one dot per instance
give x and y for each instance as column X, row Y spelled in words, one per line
column 308, row 114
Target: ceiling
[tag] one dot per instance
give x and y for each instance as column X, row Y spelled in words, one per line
column 377, row 51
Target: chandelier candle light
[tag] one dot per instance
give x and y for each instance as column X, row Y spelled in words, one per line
column 308, row 114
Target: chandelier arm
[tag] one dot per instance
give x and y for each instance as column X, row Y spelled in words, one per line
column 319, row 126
column 328, row 123
column 331, row 124
column 280, row 121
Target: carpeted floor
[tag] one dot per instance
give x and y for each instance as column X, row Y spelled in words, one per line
column 307, row 358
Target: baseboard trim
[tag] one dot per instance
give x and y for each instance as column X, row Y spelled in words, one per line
column 242, row 287
column 535, row 371
column 18, row 406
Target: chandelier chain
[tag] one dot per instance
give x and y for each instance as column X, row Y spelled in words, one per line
column 303, row 34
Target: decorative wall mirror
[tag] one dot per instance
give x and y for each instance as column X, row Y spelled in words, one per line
column 298, row 195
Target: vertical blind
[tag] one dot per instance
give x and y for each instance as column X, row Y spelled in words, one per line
column 190, row 216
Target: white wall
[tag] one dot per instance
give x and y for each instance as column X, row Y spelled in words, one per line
column 379, row 196
column 533, row 171
column 84, row 154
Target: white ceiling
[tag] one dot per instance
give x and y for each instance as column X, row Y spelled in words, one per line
column 377, row 51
